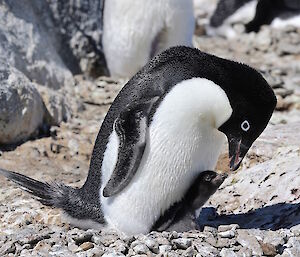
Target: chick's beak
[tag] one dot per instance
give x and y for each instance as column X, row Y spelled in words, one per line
column 237, row 151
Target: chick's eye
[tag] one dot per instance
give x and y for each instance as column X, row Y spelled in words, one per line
column 245, row 125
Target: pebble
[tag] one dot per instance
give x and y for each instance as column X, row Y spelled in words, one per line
column 85, row 246
column 113, row 255
column 212, row 230
column 152, row 245
column 165, row 248
column 72, row 247
column 25, row 230
column 173, row 235
column 249, row 241
column 189, row 252
column 227, row 234
column 205, row 249
column 86, row 237
column 182, row 243
column 223, row 228
column 244, row 252
column 268, row 249
column 225, row 242
column 227, row 253
column 162, row 241
column 141, row 249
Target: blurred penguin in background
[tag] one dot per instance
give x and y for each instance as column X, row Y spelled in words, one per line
column 228, row 13
column 136, row 30
column 254, row 14
column 278, row 13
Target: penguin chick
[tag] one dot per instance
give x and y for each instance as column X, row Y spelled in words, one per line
column 165, row 127
column 182, row 215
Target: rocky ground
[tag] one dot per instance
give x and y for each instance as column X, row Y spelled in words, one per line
column 256, row 212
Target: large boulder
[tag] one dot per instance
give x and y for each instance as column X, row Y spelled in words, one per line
column 28, row 43
column 22, row 110
column 80, row 25
column 59, row 104
column 43, row 44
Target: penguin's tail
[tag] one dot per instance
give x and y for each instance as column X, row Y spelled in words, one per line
column 48, row 194
column 73, row 201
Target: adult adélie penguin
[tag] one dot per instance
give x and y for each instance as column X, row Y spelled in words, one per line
column 164, row 128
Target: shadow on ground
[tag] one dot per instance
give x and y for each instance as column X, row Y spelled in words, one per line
column 274, row 217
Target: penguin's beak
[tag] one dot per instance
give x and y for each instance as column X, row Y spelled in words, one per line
column 237, row 151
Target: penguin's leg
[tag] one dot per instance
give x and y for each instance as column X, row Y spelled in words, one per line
column 265, row 12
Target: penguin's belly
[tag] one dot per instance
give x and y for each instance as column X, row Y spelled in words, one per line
column 181, row 142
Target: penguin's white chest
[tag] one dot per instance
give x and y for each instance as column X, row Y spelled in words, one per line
column 182, row 141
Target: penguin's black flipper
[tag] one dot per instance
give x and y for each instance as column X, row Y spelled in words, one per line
column 131, row 127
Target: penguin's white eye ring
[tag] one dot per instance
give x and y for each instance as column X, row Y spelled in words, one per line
column 245, row 125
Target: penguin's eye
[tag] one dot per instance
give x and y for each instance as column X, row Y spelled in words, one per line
column 245, row 125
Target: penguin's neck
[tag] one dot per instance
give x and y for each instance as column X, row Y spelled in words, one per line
column 183, row 141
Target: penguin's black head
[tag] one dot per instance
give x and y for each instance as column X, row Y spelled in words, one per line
column 253, row 102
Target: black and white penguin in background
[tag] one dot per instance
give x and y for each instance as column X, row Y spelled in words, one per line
column 254, row 14
column 165, row 127
column 136, row 30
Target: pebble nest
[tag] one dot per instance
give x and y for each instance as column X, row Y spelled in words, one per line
column 29, row 229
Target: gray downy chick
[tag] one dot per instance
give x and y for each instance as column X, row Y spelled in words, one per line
column 182, row 216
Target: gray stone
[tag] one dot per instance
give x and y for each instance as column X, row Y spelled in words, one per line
column 59, row 104
column 225, row 242
column 227, row 253
column 106, row 240
column 210, row 229
column 249, row 241
column 274, row 238
column 112, row 255
column 205, row 249
column 293, row 242
column 296, row 230
column 189, row 252
column 288, row 48
column 85, row 246
column 291, row 252
column 268, row 249
column 244, row 252
column 162, row 241
column 79, row 23
column 7, row 248
column 85, row 237
column 223, row 228
column 21, row 107
column 28, row 44
column 263, row 40
column 227, row 234
column 141, row 249
column 165, row 248
column 174, row 235
column 182, row 243
column 119, row 246
column 152, row 245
